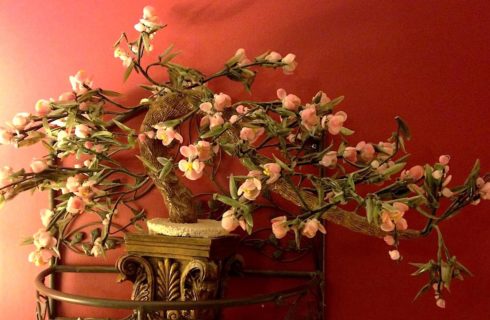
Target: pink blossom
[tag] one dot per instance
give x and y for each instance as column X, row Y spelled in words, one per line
column 414, row 173
column 123, row 55
column 447, row 193
column 280, row 227
column 204, row 150
column 251, row 134
column 99, row 148
column 309, row 118
column 323, row 98
column 142, row 137
column 241, row 109
column 88, row 145
column 329, row 159
column 149, row 12
column 43, row 239
column 40, row 257
column 273, row 171
column 82, row 131
column 229, row 222
column 167, row 135
column 5, row 176
column 389, row 240
column 437, row 174
column 189, row 152
column 366, row 151
column 66, row 96
column 444, row 159
column 250, row 189
column 38, row 166
column 98, row 248
column 447, row 180
column 87, row 190
column 193, row 170
column 206, row 107
column 394, row 217
column 273, row 57
column 441, row 303
column 83, row 106
column 234, row 118
column 255, row 174
column 334, row 122
column 289, row 101
column 241, row 57
column 311, row 227
column 75, row 205
column 6, row 136
column 394, row 254
column 483, row 189
column 42, row 107
column 80, row 81
column 290, row 63
column 221, row 101
column 350, row 154
column 216, row 120
column 21, row 120
column 388, row 148
column 46, row 216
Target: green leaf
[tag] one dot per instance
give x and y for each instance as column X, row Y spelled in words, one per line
column 122, row 126
column 166, row 169
column 77, row 238
column 403, row 127
column 422, row 290
column 227, row 200
column 171, row 123
column 346, row 131
column 27, row 241
column 110, row 93
column 214, row 132
column 233, row 188
column 369, row 209
column 282, row 164
column 422, row 267
column 394, row 169
column 461, row 267
column 128, row 71
column 147, row 164
column 2, row 201
column 102, row 134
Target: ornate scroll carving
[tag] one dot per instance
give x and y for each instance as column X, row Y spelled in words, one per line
column 166, row 268
column 139, row 271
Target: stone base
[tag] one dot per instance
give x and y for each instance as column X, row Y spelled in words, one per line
column 202, row 229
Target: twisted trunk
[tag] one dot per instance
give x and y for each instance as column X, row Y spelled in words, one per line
column 177, row 198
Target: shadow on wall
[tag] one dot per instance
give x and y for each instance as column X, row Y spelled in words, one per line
column 202, row 13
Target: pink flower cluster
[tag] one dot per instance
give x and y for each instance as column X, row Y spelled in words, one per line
column 166, row 135
column 289, row 61
column 308, row 228
column 366, row 153
column 392, row 217
column 214, row 111
column 44, row 242
column 193, row 166
column 230, row 222
column 149, row 22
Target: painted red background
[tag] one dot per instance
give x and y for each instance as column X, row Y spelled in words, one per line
column 427, row 61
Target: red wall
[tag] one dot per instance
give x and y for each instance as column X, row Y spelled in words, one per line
column 427, row 61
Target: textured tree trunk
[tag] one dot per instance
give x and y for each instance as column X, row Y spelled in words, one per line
column 177, row 198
